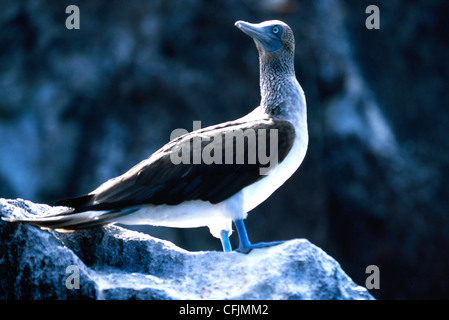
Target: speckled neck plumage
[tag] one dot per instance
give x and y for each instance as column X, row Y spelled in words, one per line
column 279, row 88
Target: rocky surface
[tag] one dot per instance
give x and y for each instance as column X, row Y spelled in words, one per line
column 115, row 263
column 78, row 107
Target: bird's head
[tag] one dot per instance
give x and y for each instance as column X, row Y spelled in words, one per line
column 276, row 45
column 272, row 37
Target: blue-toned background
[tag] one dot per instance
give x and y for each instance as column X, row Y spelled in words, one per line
column 78, row 107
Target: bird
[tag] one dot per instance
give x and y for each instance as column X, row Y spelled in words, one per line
column 186, row 194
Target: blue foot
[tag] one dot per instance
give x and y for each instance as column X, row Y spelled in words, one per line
column 224, row 237
column 245, row 246
column 247, row 249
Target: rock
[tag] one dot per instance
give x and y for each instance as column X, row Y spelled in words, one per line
column 115, row 263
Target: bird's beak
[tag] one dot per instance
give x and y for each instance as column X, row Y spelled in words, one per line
column 253, row 30
column 261, row 35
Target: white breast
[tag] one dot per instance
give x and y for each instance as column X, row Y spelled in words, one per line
column 255, row 194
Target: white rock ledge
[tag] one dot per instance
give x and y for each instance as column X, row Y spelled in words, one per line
column 115, row 263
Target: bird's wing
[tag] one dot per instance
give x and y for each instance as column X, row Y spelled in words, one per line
column 158, row 180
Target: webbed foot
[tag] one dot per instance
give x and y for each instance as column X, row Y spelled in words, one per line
column 248, row 248
column 245, row 246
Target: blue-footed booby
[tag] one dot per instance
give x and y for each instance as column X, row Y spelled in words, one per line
column 159, row 192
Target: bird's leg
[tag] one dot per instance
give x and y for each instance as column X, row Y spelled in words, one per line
column 224, row 237
column 244, row 245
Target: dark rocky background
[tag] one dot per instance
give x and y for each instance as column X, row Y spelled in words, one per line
column 78, row 107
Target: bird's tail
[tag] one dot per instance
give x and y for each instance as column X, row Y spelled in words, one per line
column 69, row 220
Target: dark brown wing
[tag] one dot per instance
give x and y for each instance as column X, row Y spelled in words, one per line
column 159, row 180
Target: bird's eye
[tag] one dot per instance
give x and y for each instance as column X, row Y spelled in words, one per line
column 276, row 29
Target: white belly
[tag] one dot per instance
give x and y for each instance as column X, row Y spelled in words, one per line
column 258, row 192
column 190, row 214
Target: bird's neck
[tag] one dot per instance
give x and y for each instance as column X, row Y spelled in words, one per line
column 279, row 89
